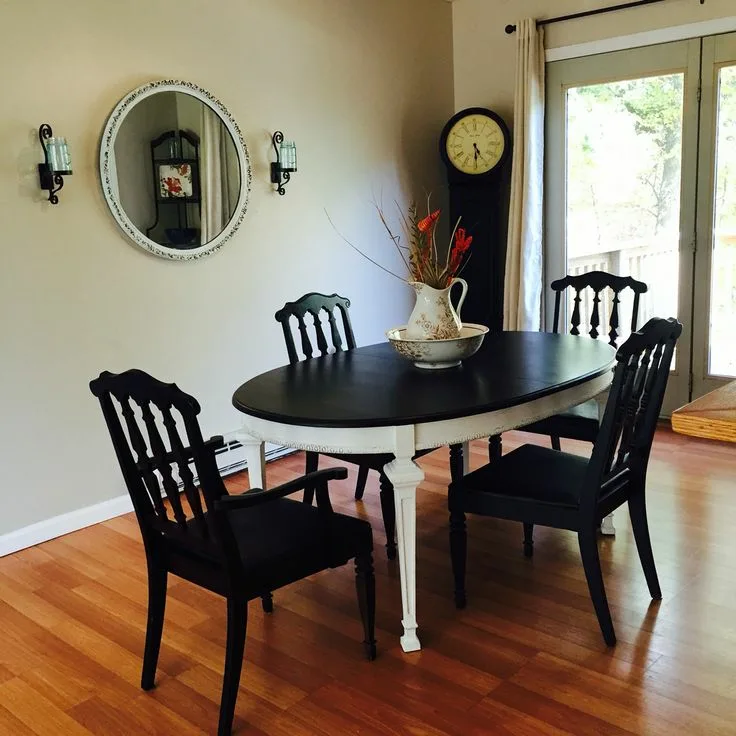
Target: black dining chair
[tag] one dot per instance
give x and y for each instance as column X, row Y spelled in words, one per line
column 581, row 422
column 315, row 304
column 240, row 547
column 327, row 338
column 540, row 485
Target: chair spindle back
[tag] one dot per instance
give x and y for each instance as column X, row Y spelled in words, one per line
column 621, row 452
column 157, row 439
column 315, row 305
column 598, row 281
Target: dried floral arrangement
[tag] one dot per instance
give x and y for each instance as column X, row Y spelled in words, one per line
column 424, row 261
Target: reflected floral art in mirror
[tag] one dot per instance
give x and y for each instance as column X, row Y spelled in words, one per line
column 174, row 169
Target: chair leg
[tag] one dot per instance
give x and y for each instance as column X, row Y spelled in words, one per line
column 458, row 554
column 267, row 602
column 157, row 577
column 528, row 540
column 365, row 586
column 494, row 447
column 360, row 483
column 389, row 515
column 592, row 566
column 555, row 443
column 456, row 462
column 312, row 465
column 237, row 621
column 640, row 527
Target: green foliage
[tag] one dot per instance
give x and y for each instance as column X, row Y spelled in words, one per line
column 654, row 108
column 647, row 116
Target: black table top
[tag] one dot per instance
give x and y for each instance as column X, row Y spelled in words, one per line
column 373, row 386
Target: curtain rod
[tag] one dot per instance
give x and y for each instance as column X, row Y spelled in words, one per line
column 587, row 13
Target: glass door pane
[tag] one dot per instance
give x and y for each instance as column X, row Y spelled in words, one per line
column 721, row 343
column 624, row 156
column 714, row 317
column 620, row 181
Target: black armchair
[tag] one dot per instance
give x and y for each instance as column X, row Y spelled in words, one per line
column 240, row 547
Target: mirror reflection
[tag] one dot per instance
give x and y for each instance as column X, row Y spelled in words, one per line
column 178, row 174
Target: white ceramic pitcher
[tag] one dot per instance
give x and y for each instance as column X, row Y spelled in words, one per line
column 434, row 317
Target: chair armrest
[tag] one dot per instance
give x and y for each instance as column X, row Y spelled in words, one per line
column 211, row 445
column 318, row 480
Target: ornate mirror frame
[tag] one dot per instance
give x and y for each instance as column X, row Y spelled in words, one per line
column 108, row 172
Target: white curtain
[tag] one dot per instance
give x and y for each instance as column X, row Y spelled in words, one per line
column 524, row 255
column 214, row 178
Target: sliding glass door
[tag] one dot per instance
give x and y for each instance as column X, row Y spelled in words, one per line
column 621, row 137
column 714, row 322
column 641, row 181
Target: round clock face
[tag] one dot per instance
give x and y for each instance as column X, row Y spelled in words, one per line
column 475, row 144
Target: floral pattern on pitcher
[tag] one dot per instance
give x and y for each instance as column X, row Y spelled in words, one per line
column 434, row 317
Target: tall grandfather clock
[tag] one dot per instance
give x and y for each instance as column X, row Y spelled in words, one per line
column 475, row 146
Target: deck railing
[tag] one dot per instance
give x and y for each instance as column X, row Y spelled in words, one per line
column 655, row 265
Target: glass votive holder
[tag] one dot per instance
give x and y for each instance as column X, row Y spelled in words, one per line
column 57, row 153
column 65, row 156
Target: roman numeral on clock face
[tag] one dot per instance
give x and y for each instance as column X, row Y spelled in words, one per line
column 475, row 144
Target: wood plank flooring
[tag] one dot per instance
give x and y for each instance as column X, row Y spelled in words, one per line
column 526, row 657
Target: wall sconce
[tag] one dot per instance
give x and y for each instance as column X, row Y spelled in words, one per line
column 57, row 165
column 285, row 161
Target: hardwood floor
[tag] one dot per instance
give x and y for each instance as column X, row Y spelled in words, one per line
column 525, row 658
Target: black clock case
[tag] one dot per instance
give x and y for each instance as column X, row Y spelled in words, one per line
column 482, row 203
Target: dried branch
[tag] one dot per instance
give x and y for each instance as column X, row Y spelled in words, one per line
column 420, row 255
column 367, row 257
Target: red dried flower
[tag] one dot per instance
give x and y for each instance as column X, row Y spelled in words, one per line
column 428, row 222
column 462, row 242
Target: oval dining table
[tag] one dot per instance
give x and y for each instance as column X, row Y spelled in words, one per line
column 371, row 400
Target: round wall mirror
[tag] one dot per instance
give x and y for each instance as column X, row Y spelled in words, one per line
column 174, row 169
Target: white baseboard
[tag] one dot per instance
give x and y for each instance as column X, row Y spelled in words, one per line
column 57, row 526
column 73, row 521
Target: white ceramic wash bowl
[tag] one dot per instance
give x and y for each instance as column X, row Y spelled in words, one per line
column 435, row 354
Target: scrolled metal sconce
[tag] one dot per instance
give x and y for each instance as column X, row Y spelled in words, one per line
column 57, row 163
column 285, row 163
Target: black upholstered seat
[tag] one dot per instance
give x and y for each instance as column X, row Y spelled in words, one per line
column 528, row 474
column 284, row 541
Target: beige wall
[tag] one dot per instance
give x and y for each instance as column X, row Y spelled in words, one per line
column 363, row 87
column 484, row 53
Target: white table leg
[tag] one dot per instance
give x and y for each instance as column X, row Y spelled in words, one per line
column 607, row 527
column 255, row 458
column 406, row 475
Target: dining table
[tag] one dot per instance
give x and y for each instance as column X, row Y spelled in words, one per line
column 372, row 400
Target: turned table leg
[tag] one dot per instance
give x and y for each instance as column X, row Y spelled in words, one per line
column 406, row 475
column 255, row 458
